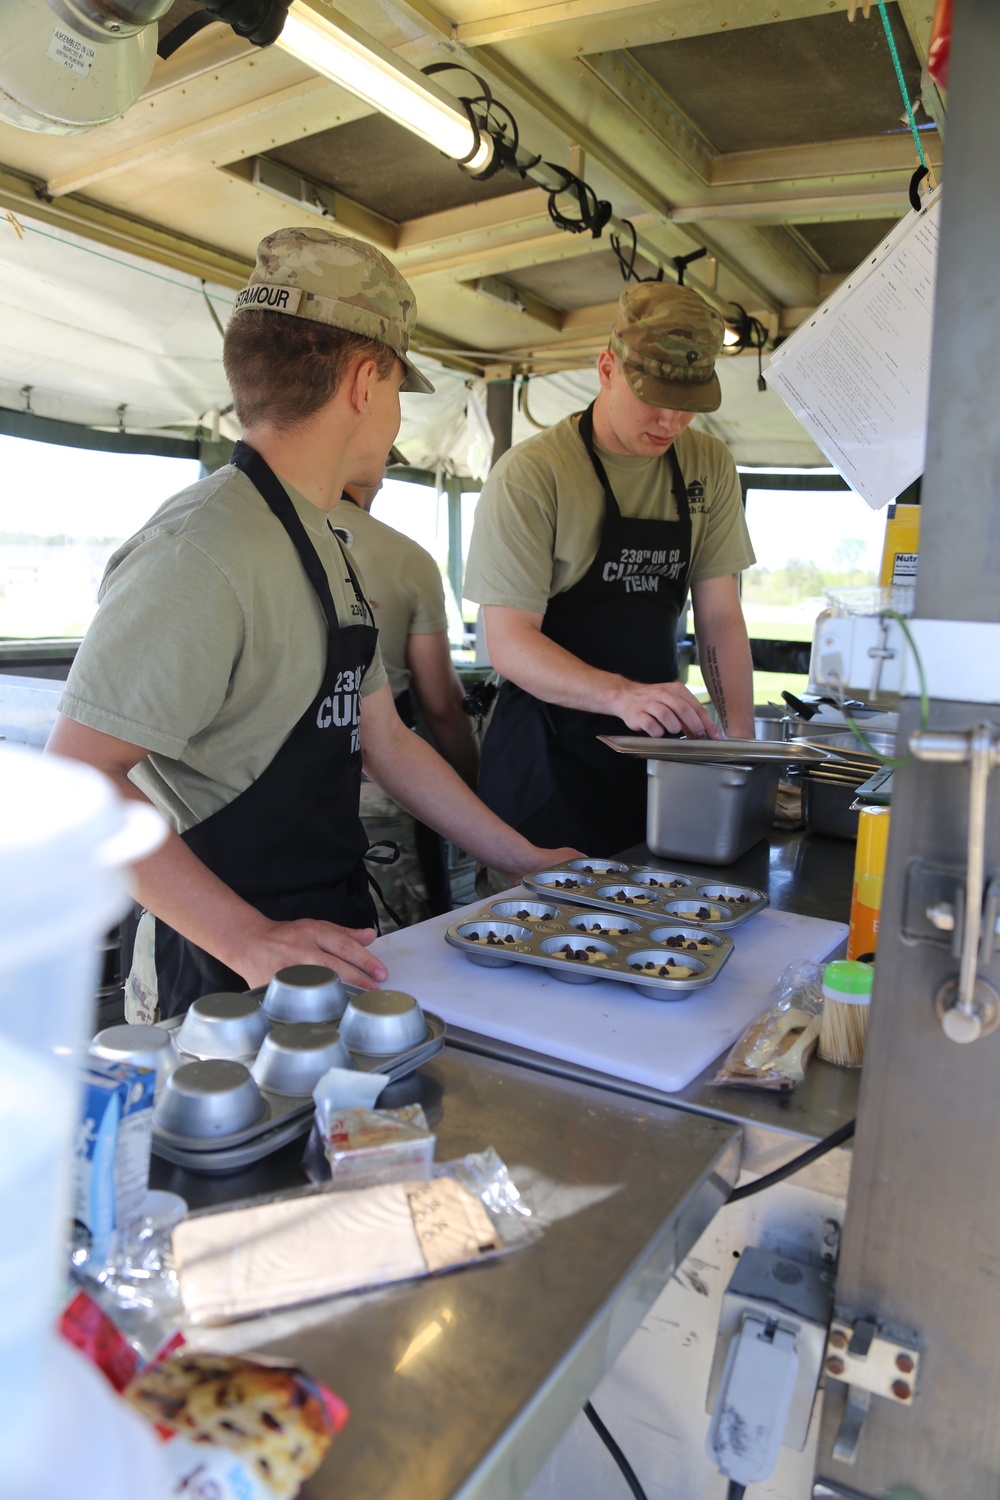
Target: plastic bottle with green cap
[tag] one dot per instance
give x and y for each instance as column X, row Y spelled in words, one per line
column 847, row 993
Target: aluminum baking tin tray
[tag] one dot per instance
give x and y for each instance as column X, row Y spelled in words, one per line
column 287, row 1115
column 728, row 752
column 639, row 890
column 538, row 932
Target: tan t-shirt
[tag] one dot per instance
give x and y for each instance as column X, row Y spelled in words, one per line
column 538, row 520
column 402, row 581
column 209, row 643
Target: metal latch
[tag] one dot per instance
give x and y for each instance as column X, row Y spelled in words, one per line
column 871, row 1361
column 968, row 1006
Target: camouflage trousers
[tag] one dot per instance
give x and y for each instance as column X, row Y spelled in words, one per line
column 403, row 883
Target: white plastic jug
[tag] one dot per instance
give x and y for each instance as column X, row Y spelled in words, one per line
column 66, row 838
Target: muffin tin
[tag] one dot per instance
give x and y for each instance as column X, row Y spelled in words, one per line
column 218, row 1113
column 613, row 885
column 628, row 947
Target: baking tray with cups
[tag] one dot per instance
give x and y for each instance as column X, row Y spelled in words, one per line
column 246, row 1064
column 655, row 957
column 613, row 885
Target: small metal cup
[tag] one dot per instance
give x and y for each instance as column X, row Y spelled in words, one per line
column 305, row 992
column 210, row 1098
column 578, row 951
column 293, row 1058
column 139, row 1046
column 230, row 1026
column 690, row 909
column 382, row 1021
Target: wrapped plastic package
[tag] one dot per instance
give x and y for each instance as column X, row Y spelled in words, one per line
column 306, row 1246
column 775, row 1049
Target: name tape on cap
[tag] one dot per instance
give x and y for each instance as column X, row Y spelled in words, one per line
column 276, row 298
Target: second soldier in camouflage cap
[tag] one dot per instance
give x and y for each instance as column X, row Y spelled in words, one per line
column 667, row 338
column 330, row 278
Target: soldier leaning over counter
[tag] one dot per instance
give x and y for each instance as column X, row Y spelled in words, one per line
column 232, row 676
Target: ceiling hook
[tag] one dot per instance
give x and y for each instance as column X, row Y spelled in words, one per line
column 25, row 394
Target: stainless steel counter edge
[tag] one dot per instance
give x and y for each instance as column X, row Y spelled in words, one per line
column 508, row 1469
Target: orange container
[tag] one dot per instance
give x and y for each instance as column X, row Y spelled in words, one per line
column 869, row 870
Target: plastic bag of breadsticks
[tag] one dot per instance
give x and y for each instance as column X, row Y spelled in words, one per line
column 237, row 1429
column 775, row 1049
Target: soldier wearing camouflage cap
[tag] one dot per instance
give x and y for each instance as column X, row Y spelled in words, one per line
column 232, row 676
column 587, row 540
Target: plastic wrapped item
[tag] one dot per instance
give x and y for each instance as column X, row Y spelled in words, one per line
column 775, row 1049
column 306, row 1246
column 257, row 1428
column 366, row 1146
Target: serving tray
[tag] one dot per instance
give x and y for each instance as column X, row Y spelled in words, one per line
column 624, row 947
column 614, row 885
column 734, row 752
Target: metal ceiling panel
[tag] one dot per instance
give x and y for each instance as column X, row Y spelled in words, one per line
column 843, row 244
column 382, row 166
column 807, row 81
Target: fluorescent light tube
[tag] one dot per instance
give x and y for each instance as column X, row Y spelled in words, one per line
column 372, row 73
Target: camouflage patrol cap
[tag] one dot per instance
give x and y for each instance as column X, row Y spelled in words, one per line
column 330, row 278
column 667, row 338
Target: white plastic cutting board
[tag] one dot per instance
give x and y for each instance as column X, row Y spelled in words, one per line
column 606, row 1025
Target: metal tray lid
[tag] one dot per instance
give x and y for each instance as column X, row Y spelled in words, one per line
column 716, row 752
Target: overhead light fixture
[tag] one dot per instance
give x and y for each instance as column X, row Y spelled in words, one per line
column 69, row 65
column 328, row 42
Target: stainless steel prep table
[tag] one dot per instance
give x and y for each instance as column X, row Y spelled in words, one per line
column 460, row 1385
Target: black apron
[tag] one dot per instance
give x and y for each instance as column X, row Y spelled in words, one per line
column 543, row 769
column 291, row 844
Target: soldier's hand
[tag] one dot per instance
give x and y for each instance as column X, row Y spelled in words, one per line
column 342, row 949
column 659, row 708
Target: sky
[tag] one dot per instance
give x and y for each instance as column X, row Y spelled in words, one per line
column 811, row 525
column 48, row 490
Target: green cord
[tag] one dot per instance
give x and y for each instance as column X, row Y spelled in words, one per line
column 925, row 707
column 123, row 265
column 902, row 85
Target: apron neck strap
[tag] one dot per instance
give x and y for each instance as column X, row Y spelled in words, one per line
column 586, row 430
column 270, row 488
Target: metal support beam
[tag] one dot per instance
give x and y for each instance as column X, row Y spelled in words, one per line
column 500, row 413
column 453, row 489
column 920, row 1243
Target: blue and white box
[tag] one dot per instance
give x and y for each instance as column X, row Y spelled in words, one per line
column 113, row 1148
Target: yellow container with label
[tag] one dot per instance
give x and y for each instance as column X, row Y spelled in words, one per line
column 901, row 549
column 869, row 871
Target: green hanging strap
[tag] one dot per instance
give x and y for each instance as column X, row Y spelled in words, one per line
column 902, row 86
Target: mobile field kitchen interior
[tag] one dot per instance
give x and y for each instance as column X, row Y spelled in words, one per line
column 823, row 173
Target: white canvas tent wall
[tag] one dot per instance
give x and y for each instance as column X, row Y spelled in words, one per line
column 104, row 339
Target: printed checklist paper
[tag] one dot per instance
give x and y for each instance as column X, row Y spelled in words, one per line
column 857, row 373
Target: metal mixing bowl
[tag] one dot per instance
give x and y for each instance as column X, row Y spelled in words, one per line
column 293, row 1058
column 223, row 1025
column 207, row 1099
column 382, row 1021
column 139, row 1046
column 305, row 992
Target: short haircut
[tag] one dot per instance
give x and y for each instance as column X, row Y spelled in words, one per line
column 282, row 370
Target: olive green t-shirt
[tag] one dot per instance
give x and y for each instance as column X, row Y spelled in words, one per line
column 209, row 643
column 402, row 581
column 538, row 520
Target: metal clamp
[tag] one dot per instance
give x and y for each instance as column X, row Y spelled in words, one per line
column 880, row 654
column 968, row 1006
column 872, row 1361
